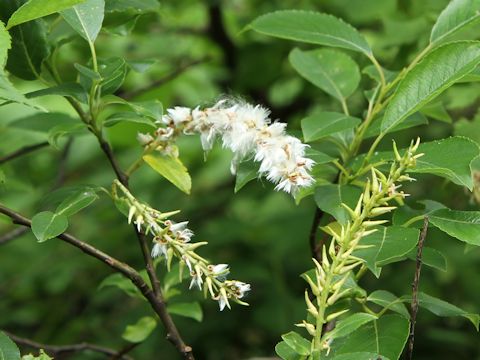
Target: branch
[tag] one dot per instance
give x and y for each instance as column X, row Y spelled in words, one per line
column 59, row 350
column 156, row 302
column 314, row 247
column 416, row 280
column 23, row 151
column 12, row 235
column 180, row 69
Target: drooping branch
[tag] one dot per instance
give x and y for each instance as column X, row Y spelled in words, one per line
column 156, row 302
column 23, row 151
column 416, row 281
column 61, row 350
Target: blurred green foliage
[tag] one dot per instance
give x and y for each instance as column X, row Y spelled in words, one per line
column 189, row 53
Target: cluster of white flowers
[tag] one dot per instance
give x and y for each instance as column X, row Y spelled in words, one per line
column 249, row 133
column 173, row 240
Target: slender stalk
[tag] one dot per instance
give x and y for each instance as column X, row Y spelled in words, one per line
column 59, row 350
column 156, row 302
column 416, row 281
column 23, row 151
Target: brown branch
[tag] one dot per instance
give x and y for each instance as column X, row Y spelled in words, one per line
column 156, row 302
column 59, row 350
column 23, row 151
column 180, row 69
column 416, row 280
column 11, row 235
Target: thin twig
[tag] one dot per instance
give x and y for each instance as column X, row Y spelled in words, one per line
column 125, row 350
column 23, row 151
column 59, row 350
column 62, row 163
column 180, row 69
column 11, row 235
column 156, row 302
column 416, row 280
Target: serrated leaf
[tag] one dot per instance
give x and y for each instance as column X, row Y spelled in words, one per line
column 386, row 337
column 76, row 202
column 139, row 331
column 349, row 324
column 330, row 197
column 416, row 119
column 430, row 257
column 388, row 244
column 324, row 124
column 463, row 225
column 286, row 352
column 113, row 72
column 449, row 158
column 171, row 169
column 29, row 45
column 47, row 225
column 332, row 71
column 388, row 300
column 436, row 72
column 191, row 310
column 299, row 344
column 311, row 27
column 436, row 111
column 86, row 18
column 8, row 349
column 442, row 308
column 457, row 15
column 34, row 9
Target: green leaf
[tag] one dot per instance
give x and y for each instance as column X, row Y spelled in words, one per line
column 191, row 310
column 172, row 169
column 86, row 19
column 349, row 324
column 389, row 244
column 139, row 331
column 449, row 158
column 311, row 27
column 10, row 94
column 286, row 352
column 299, row 344
column 443, row 308
column 34, row 9
column 360, row 356
column 330, row 197
column 47, row 225
column 318, row 156
column 56, row 133
column 76, row 202
column 325, row 124
column 386, row 337
column 113, row 72
column 29, row 44
column 405, row 213
column 121, row 282
column 127, row 116
column 138, row 6
column 388, row 300
column 8, row 349
column 88, row 73
column 332, row 71
column 5, row 45
column 430, row 257
column 463, row 225
column 41, row 356
column 416, row 119
column 74, row 90
column 457, row 15
column 436, row 72
column 246, row 172
column 436, row 111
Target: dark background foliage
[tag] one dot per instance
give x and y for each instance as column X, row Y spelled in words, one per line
column 49, row 292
